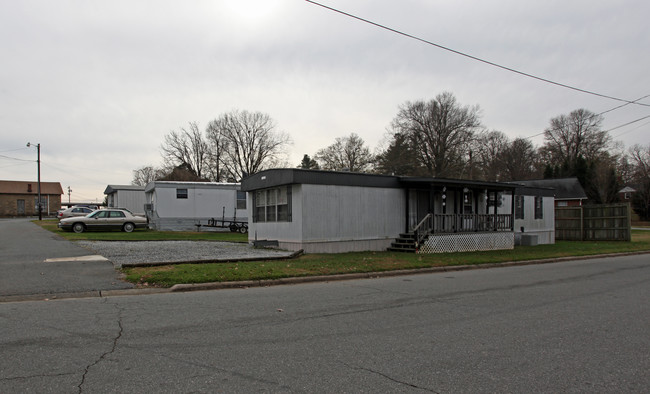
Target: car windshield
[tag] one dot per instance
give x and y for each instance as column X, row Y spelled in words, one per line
column 93, row 214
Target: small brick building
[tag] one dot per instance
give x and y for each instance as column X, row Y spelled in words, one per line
column 20, row 198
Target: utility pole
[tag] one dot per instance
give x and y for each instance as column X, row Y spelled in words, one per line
column 38, row 161
column 69, row 191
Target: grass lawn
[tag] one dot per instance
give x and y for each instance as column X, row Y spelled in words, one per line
column 329, row 264
column 142, row 234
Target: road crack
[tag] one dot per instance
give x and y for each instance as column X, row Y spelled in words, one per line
column 390, row 378
column 105, row 354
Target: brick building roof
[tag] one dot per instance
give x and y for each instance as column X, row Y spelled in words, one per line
column 30, row 187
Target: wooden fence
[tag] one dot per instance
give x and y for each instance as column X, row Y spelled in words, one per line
column 610, row 222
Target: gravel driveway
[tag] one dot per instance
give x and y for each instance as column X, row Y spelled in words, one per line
column 138, row 252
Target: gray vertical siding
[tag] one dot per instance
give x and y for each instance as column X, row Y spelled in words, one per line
column 332, row 213
column 329, row 218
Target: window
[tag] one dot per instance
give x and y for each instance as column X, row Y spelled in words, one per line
column 260, row 206
column 273, row 205
column 539, row 208
column 241, row 200
column 117, row 214
column 181, row 193
column 44, row 203
column 519, row 207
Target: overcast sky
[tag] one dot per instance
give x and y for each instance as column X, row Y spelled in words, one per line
column 100, row 83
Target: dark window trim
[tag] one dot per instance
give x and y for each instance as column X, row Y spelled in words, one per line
column 519, row 207
column 539, row 207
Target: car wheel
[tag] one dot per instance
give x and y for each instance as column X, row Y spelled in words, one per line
column 128, row 227
column 78, row 228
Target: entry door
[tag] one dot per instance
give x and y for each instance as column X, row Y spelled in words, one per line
column 20, row 209
column 419, row 206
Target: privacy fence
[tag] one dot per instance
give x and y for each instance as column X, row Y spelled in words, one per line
column 611, row 222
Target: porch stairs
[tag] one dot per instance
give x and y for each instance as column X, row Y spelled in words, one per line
column 404, row 243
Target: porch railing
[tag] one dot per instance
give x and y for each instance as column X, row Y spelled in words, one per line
column 423, row 229
column 457, row 223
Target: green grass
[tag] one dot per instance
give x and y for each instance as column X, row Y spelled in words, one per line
column 142, row 234
column 330, row 264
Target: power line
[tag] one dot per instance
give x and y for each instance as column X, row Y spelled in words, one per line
column 474, row 57
column 14, row 165
column 13, row 150
column 15, row 158
column 631, row 130
column 627, row 124
column 599, row 114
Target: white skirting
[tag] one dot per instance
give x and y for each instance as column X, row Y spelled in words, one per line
column 468, row 242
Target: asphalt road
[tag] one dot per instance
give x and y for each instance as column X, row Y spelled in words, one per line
column 24, row 251
column 566, row 327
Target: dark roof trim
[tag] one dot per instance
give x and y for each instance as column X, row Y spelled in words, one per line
column 564, row 188
column 420, row 181
column 534, row 191
column 288, row 176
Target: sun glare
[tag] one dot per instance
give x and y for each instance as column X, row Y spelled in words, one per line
column 251, row 11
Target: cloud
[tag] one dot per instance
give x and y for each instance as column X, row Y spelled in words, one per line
column 99, row 84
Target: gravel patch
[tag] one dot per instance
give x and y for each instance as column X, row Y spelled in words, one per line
column 137, row 252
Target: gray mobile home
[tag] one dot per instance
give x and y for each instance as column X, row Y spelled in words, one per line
column 325, row 211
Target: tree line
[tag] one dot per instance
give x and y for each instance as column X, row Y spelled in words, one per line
column 438, row 138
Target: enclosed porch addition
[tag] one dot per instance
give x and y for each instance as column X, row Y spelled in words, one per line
column 456, row 216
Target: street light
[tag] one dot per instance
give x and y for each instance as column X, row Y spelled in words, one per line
column 38, row 161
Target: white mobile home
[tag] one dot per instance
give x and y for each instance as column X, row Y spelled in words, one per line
column 182, row 206
column 126, row 196
column 324, row 211
column 534, row 214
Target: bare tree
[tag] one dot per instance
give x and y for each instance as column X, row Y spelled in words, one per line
column 247, row 142
column 520, row 161
column 146, row 174
column 604, row 181
column 488, row 149
column 440, row 131
column 640, row 158
column 187, row 148
column 216, row 144
column 346, row 153
column 575, row 135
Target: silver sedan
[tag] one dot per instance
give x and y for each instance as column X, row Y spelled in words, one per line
column 104, row 220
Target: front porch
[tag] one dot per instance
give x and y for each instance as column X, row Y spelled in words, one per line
column 456, row 215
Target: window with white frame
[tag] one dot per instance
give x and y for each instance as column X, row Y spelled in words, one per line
column 272, row 205
column 181, row 193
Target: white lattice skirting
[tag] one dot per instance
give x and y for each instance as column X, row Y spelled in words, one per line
column 468, row 242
